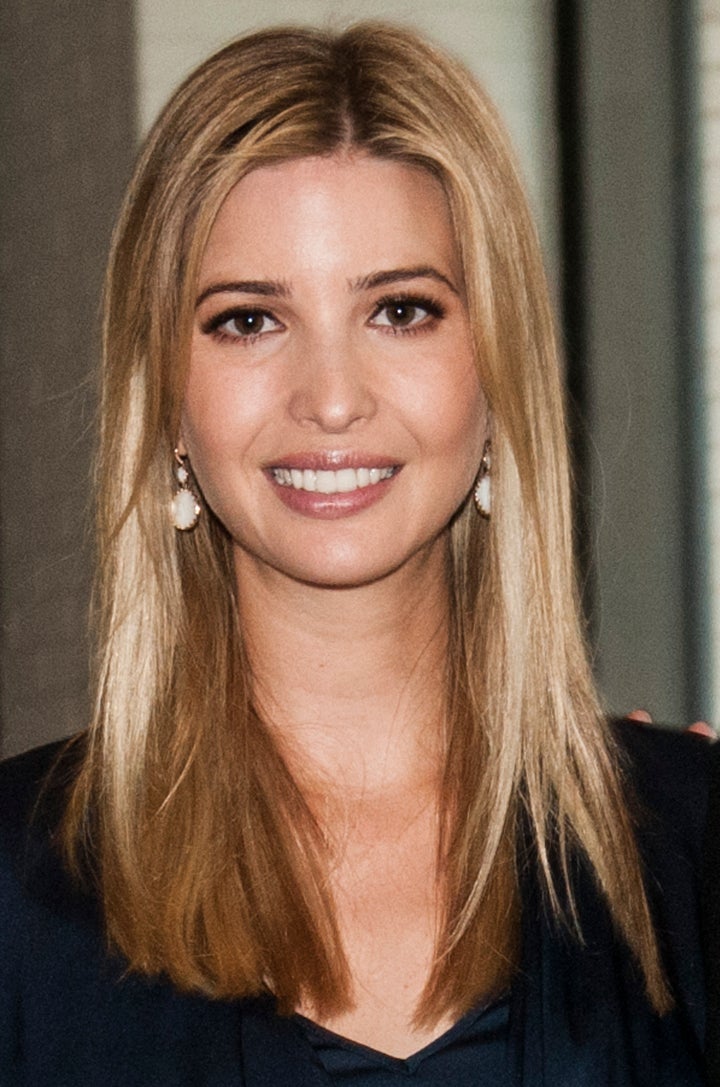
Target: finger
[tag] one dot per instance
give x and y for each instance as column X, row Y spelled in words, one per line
column 640, row 715
column 702, row 728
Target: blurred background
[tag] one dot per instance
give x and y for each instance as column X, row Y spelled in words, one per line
column 614, row 109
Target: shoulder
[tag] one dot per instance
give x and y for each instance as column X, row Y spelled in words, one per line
column 33, row 788
column 668, row 782
column 714, row 805
column 22, row 776
column 70, row 1011
column 711, row 920
column 32, row 792
column 667, row 777
column 669, row 773
column 33, row 885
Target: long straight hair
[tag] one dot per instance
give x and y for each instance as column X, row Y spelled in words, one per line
column 211, row 867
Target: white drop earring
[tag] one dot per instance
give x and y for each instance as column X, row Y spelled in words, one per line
column 185, row 508
column 483, row 489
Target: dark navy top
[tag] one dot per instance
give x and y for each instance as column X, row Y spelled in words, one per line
column 711, row 904
column 472, row 1051
column 577, row 1015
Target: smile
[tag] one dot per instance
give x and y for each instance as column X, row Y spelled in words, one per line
column 321, row 481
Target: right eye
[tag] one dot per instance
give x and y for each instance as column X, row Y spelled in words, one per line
column 241, row 324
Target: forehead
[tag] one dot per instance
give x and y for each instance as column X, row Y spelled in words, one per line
column 318, row 212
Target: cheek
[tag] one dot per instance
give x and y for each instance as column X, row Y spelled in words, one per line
column 214, row 427
column 455, row 411
column 204, row 431
column 222, row 410
column 467, row 432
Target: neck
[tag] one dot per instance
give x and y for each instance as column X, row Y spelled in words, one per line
column 352, row 680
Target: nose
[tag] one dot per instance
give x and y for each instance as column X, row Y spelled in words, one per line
column 333, row 387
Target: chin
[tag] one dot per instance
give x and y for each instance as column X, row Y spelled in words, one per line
column 340, row 575
column 362, row 559
column 353, row 569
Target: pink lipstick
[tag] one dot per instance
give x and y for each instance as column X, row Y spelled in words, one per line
column 331, row 484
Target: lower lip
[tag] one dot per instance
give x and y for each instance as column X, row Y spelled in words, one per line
column 329, row 507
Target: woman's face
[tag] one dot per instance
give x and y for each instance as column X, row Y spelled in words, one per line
column 333, row 415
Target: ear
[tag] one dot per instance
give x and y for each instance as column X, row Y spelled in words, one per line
column 181, row 447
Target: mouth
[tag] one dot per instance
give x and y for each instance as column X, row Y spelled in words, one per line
column 329, row 481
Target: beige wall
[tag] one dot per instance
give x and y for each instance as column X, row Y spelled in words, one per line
column 507, row 43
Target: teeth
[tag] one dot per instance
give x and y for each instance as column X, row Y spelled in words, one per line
column 328, row 482
column 308, row 481
column 325, row 482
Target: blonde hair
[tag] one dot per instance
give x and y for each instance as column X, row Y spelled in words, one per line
column 211, row 867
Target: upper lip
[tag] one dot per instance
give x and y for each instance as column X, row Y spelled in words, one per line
column 328, row 460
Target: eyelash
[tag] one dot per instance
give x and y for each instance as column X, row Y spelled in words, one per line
column 213, row 326
column 434, row 310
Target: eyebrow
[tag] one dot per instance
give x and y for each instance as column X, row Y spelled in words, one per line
column 268, row 288
column 399, row 275
column 275, row 288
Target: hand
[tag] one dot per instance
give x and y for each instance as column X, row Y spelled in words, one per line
column 701, row 728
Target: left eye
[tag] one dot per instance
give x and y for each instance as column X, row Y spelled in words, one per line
column 404, row 313
column 243, row 324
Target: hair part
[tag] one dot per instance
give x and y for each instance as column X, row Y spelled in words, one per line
column 211, row 866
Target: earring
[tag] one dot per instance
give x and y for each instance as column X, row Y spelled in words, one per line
column 185, row 508
column 483, row 491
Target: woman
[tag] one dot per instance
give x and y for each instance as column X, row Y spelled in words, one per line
column 348, row 796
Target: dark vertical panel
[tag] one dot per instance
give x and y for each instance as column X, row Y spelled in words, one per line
column 631, row 304
column 67, row 119
column 689, row 257
column 568, row 81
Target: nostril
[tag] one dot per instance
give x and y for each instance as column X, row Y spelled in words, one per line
column 333, row 402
